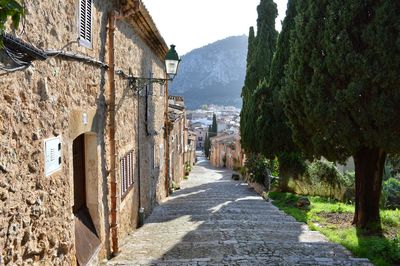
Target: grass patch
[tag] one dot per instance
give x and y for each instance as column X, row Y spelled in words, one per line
column 333, row 219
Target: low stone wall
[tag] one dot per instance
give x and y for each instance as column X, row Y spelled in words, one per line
column 302, row 187
column 260, row 189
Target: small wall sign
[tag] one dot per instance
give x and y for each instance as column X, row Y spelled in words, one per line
column 84, row 118
column 52, row 148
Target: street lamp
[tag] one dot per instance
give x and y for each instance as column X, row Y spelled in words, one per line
column 172, row 62
column 171, row 68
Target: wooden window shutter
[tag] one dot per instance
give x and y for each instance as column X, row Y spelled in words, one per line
column 127, row 175
column 85, row 23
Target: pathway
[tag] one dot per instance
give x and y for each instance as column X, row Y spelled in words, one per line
column 214, row 220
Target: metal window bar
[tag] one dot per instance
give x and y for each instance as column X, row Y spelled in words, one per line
column 123, row 175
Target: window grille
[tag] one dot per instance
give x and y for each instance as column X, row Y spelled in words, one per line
column 127, row 174
column 85, row 23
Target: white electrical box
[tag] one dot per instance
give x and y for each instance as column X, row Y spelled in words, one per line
column 52, row 153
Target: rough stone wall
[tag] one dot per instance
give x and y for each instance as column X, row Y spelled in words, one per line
column 36, row 220
column 48, row 100
column 132, row 53
column 177, row 151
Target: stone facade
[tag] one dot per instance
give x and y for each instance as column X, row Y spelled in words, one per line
column 190, row 149
column 68, row 100
column 178, row 138
column 201, row 134
column 226, row 151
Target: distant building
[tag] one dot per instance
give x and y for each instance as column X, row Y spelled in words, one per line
column 201, row 134
column 182, row 143
column 190, row 149
column 226, row 151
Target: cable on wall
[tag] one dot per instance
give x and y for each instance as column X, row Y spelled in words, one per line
column 22, row 54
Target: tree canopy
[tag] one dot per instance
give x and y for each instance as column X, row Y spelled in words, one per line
column 343, row 89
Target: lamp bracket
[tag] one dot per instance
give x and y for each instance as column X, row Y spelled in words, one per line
column 139, row 83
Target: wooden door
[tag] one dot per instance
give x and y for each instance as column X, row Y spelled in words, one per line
column 79, row 174
column 87, row 242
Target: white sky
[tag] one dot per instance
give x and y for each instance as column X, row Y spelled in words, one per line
column 190, row 24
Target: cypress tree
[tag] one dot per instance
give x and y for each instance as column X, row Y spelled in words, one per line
column 246, row 130
column 276, row 136
column 214, row 126
column 343, row 89
column 259, row 57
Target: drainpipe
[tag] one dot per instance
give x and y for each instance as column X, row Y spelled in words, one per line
column 146, row 117
column 111, row 109
column 141, row 209
column 166, row 142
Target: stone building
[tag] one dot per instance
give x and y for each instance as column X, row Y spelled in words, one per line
column 81, row 152
column 178, row 138
column 201, row 134
column 226, row 151
column 190, row 149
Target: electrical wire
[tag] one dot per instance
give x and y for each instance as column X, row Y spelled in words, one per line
column 62, row 48
column 17, row 58
column 13, row 69
column 23, row 60
column 76, row 56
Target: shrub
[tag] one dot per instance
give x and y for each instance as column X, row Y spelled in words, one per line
column 188, row 168
column 243, row 171
column 391, row 193
column 324, row 171
column 392, row 166
column 258, row 169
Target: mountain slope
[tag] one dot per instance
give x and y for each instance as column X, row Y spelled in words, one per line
column 213, row 74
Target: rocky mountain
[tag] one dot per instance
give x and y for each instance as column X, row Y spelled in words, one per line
column 213, row 74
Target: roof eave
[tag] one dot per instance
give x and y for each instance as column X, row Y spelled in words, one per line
column 139, row 17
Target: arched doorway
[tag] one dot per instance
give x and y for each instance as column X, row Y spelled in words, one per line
column 87, row 241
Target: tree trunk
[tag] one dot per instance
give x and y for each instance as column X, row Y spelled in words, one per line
column 369, row 165
column 284, row 177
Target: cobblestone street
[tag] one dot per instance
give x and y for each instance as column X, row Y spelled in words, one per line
column 214, row 220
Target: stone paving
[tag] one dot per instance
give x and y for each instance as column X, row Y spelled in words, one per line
column 214, row 220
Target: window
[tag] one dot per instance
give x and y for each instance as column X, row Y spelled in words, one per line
column 85, row 23
column 200, row 139
column 126, row 165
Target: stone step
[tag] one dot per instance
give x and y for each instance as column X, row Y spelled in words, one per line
column 219, row 209
column 217, row 216
column 217, row 250
column 246, row 215
column 213, row 220
column 225, row 224
column 217, row 195
column 165, row 231
column 214, row 202
column 219, row 198
column 253, row 261
column 229, row 235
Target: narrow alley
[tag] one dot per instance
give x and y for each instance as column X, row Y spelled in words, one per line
column 214, row 220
